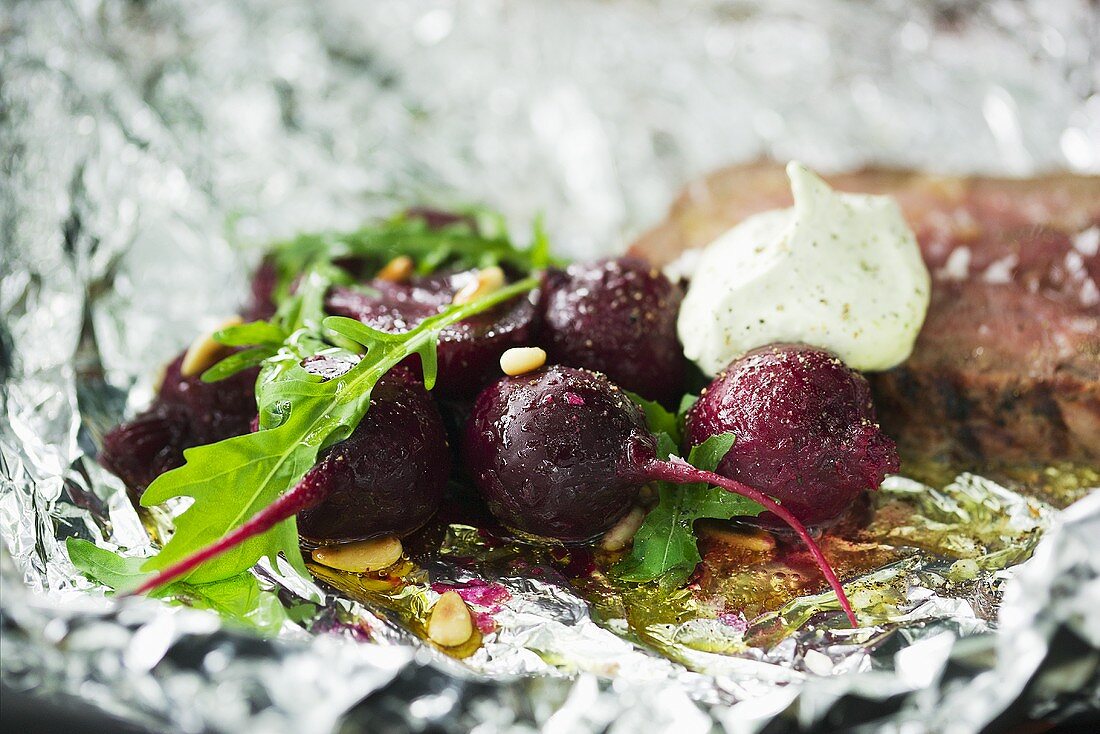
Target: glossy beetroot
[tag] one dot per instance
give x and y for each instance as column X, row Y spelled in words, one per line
column 617, row 317
column 140, row 450
column 187, row 412
column 389, row 476
column 261, row 303
column 561, row 453
column 805, row 427
column 469, row 351
column 555, row 453
column 214, row 410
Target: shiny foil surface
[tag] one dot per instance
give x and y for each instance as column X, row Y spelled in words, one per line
column 146, row 148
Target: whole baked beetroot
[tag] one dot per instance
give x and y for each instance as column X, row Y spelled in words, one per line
column 389, row 476
column 214, row 410
column 187, row 412
column 469, row 351
column 261, row 302
column 805, row 427
column 617, row 317
column 386, row 478
column 557, row 453
column 140, row 450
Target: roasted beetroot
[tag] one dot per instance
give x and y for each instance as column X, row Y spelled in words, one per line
column 469, row 351
column 388, row 477
column 805, row 427
column 261, row 304
column 214, row 410
column 140, row 450
column 555, row 453
column 187, row 412
column 617, row 317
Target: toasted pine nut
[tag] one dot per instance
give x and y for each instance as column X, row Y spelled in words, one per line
column 620, row 535
column 450, row 624
column 484, row 282
column 745, row 539
column 158, row 381
column 360, row 557
column 204, row 351
column 397, row 270
column 521, row 360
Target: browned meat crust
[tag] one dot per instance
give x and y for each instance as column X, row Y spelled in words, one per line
column 1007, row 366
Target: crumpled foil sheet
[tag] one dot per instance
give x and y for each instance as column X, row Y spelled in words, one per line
column 143, row 147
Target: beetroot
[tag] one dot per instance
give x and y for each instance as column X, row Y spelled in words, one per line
column 555, row 453
column 805, row 427
column 617, row 317
column 261, row 304
column 215, row 410
column 561, row 454
column 389, row 476
column 187, row 412
column 469, row 351
column 140, row 450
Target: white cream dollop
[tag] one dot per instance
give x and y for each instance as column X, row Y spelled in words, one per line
column 838, row 271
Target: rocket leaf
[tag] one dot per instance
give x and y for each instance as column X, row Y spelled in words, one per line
column 238, row 599
column 665, row 547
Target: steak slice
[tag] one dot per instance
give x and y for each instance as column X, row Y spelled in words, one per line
column 1007, row 366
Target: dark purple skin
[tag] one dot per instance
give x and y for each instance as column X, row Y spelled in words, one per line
column 805, row 426
column 215, row 410
column 469, row 351
column 617, row 317
column 261, row 304
column 556, row 453
column 187, row 412
column 389, row 476
column 140, row 450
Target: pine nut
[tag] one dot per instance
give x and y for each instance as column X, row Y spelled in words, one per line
column 521, row 360
column 397, row 270
column 450, row 624
column 745, row 539
column 204, row 351
column 622, row 533
column 484, row 282
column 361, row 557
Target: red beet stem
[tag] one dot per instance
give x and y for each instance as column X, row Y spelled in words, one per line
column 302, row 496
column 678, row 471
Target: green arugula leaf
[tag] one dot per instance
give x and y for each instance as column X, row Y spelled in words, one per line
column 657, row 418
column 238, row 599
column 237, row 362
column 665, row 547
column 253, row 333
column 232, row 480
column 110, row 569
column 459, row 245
